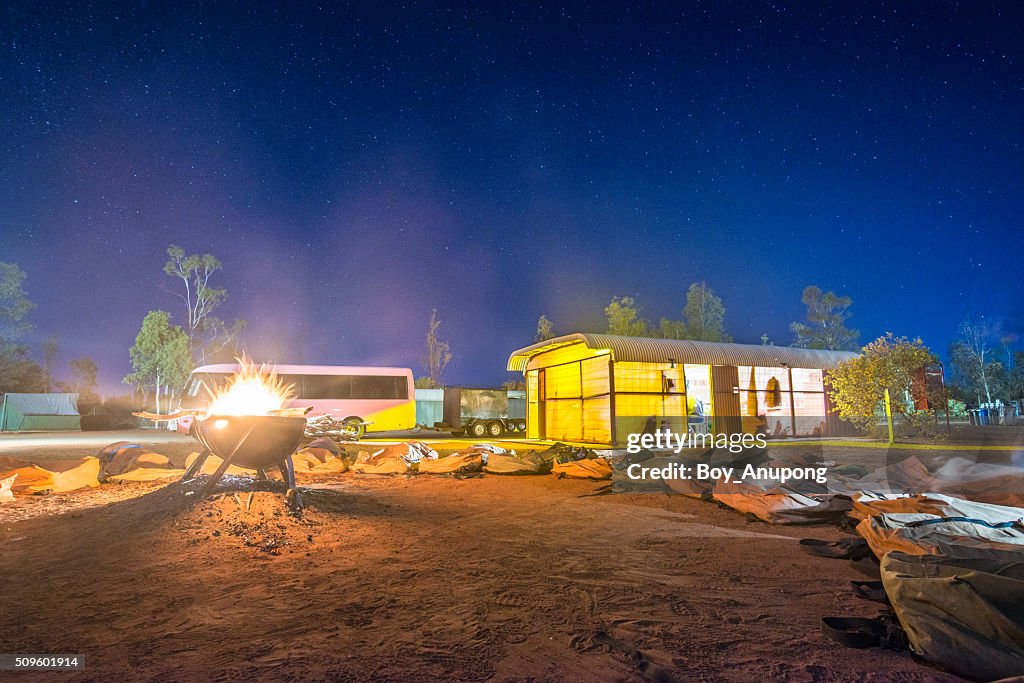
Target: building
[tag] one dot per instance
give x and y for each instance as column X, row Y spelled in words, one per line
column 599, row 388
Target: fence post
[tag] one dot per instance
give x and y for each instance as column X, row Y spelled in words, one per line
column 888, row 416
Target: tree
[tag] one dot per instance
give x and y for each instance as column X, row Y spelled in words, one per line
column 1016, row 380
column 827, row 313
column 704, row 314
column 83, row 380
column 51, row 351
column 227, row 344
column 14, row 304
column 205, row 332
column 18, row 372
column 972, row 360
column 673, row 329
column 622, row 314
column 438, row 353
column 545, row 330
column 161, row 356
column 858, row 385
column 83, row 374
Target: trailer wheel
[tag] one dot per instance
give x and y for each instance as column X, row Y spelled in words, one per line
column 495, row 429
column 521, row 426
column 477, row 429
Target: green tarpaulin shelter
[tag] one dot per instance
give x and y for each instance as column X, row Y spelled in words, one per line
column 39, row 412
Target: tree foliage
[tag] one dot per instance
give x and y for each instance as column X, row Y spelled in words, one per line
column 858, row 385
column 14, row 303
column 161, row 358
column 1015, row 380
column 673, row 329
column 703, row 318
column 438, row 352
column 18, row 372
column 827, row 313
column 624, row 318
column 705, row 314
column 83, row 380
column 545, row 329
column 207, row 334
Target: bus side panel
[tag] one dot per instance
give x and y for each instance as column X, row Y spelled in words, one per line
column 383, row 415
column 395, row 418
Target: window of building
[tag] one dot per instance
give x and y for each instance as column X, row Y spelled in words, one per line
column 773, row 396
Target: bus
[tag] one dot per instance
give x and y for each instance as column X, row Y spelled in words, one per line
column 363, row 399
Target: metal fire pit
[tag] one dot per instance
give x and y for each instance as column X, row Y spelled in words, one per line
column 257, row 442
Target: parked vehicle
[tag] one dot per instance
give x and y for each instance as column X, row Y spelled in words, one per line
column 357, row 399
column 481, row 412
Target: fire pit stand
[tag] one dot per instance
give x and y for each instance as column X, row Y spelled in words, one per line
column 256, row 442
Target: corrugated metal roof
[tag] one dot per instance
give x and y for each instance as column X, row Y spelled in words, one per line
column 649, row 350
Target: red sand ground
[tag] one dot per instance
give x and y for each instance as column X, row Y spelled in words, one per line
column 430, row 578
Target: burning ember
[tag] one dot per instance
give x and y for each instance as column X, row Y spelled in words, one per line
column 253, row 390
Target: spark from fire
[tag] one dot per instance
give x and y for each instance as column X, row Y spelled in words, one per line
column 253, row 390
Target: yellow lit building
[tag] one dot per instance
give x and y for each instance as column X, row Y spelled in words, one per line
column 599, row 388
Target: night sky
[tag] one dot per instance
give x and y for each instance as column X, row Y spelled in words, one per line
column 356, row 166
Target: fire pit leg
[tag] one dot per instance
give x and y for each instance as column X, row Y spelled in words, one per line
column 215, row 477
column 293, row 495
column 196, row 466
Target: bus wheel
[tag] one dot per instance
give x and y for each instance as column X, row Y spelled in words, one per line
column 495, row 429
column 353, row 427
column 477, row 429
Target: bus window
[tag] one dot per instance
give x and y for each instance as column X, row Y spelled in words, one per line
column 366, row 387
column 379, row 387
column 326, row 386
column 293, row 382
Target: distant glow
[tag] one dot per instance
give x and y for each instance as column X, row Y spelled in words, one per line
column 253, row 390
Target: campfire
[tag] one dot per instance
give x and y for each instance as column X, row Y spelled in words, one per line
column 253, row 390
column 248, row 425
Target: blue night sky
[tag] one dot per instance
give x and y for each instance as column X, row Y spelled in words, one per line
column 356, row 165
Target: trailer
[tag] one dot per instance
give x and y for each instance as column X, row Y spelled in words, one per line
column 481, row 412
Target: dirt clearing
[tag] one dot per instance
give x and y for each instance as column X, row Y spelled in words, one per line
column 429, row 578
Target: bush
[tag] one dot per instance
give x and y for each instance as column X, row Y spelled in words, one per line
column 859, row 385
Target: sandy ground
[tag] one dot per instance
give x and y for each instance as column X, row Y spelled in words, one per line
column 426, row 578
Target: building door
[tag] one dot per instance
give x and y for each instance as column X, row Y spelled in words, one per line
column 725, row 387
column 542, row 392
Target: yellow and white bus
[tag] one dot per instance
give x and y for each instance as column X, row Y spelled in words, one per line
column 364, row 399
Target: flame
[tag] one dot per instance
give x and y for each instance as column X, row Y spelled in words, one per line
column 253, row 390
